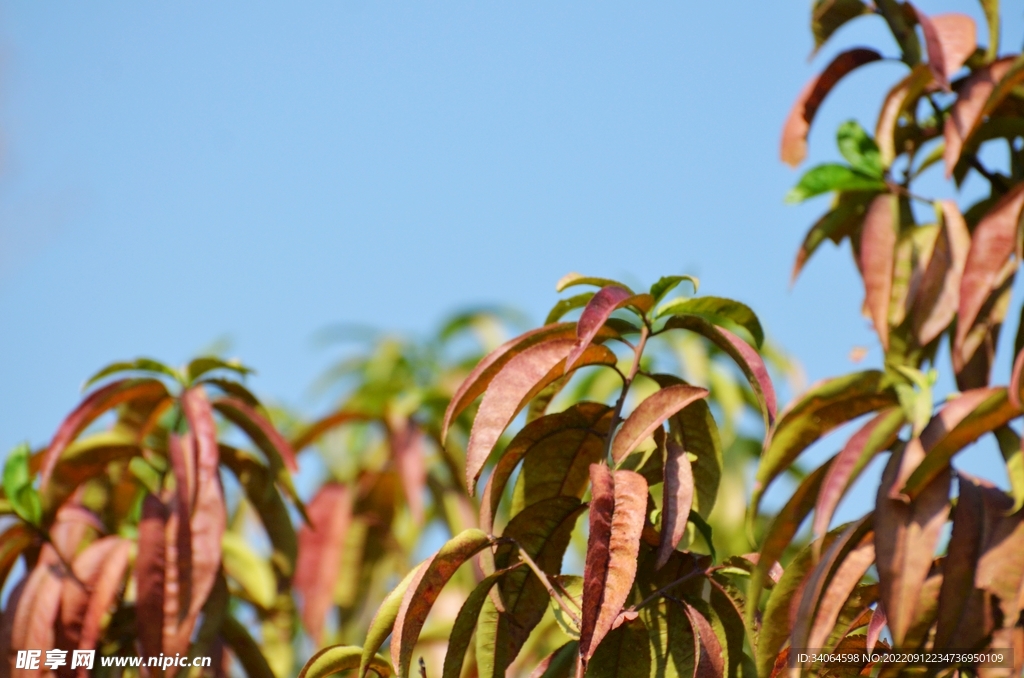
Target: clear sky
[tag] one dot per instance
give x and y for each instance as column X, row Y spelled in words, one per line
column 177, row 173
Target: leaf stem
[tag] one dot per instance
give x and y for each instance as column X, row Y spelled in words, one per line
column 546, row 582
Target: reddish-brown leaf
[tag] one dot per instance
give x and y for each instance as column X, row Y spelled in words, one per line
column 678, row 498
column 967, row 112
column 522, row 378
column 876, row 435
column 651, row 414
column 39, row 605
column 901, row 98
column 1015, row 380
column 939, row 294
column 199, row 414
column 423, row 591
column 597, row 311
column 95, row 404
column 259, row 430
column 480, row 377
column 100, row 567
column 182, row 456
column 710, row 663
column 906, row 535
column 313, row 432
column 993, row 243
column 798, row 124
column 875, row 626
column 617, row 511
column 409, row 455
column 950, row 39
column 150, row 564
column 320, row 545
column 847, row 576
column 877, row 242
column 1001, row 562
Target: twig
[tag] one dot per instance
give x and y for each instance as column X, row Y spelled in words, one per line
column 546, row 582
column 657, row 594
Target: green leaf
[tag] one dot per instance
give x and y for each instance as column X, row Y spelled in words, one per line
column 991, row 9
column 137, row 365
column 859, row 149
column 559, row 664
column 624, row 653
column 841, row 221
column 249, row 570
column 332, row 660
column 465, row 623
column 573, row 279
column 672, row 642
column 828, row 16
column 705, row 531
column 201, row 366
column 719, row 311
column 832, row 177
column 245, row 649
column 24, row 498
column 902, row 29
column 1010, row 447
column 563, row 306
column 573, row 586
column 384, row 620
column 669, row 282
column 146, row 474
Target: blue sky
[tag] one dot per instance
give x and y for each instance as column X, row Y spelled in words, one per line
column 174, row 174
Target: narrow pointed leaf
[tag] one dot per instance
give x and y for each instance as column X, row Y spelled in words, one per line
column 319, row 554
column 625, row 653
column 829, row 16
column 149, row 576
column 899, row 100
column 668, row 283
column 409, row 454
column 574, row 279
column 563, row 306
column 877, row 243
column 798, row 123
column 949, row 39
column 465, row 624
column 249, row 570
column 318, row 428
column 717, row 310
column 598, row 310
column 846, row 215
column 39, row 605
column 678, row 498
column 100, row 567
column 710, row 663
column 966, row 115
column 259, row 430
column 849, row 572
column 518, row 382
column 333, row 660
column 651, row 414
column 939, row 294
column 559, row 664
column 245, row 649
column 384, row 620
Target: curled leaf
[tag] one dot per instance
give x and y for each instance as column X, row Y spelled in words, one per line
column 651, row 414
column 332, row 660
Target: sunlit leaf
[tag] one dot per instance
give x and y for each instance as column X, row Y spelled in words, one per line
column 832, row 177
column 563, row 306
column 859, row 149
column 678, row 498
column 798, row 123
column 465, row 624
column 384, row 620
column 332, row 660
column 877, row 245
column 949, row 39
column 319, row 553
column 899, row 101
column 559, row 664
column 971, row 103
column 17, row 484
column 668, row 283
column 719, row 311
column 13, row 541
column 149, row 575
column 651, row 414
column 39, row 604
column 939, row 293
column 100, row 567
column 137, row 365
column 573, row 279
column 597, row 312
column 251, row 571
column 277, row 450
column 842, row 220
column 828, row 16
column 624, row 653
column 200, row 366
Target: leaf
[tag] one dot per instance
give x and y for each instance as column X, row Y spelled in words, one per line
column 798, row 123
column 678, row 498
column 832, row 177
column 563, row 306
column 1013, row 456
column 845, row 573
column 745, row 357
column 651, row 414
column 970, row 108
column 14, row 540
column 718, row 310
column 710, row 663
column 409, row 454
column 465, row 623
column 859, row 149
column 901, row 24
column 561, row 443
column 991, row 9
column 92, row 407
column 597, row 312
column 674, row 646
column 939, row 294
column 39, row 604
column 422, row 593
column 259, row 430
column 338, row 658
column 319, row 554
column 17, row 484
column 878, row 434
column 137, row 365
column 625, row 653
column 100, row 567
column 906, row 536
column 875, row 626
column 245, row 649
column 877, row 242
column 821, row 409
column 249, row 570
column 384, row 620
column 668, row 283
column 993, row 243
column 200, row 366
column 900, row 100
column 617, row 513
column 573, row 279
column 950, row 39
column 149, row 575
column 558, row 664
column 846, row 215
column 571, row 588
column 313, row 432
column 829, row 16
column 1000, row 569
column 962, row 421
column 518, row 382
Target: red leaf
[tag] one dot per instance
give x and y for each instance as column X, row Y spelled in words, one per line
column 651, row 414
column 100, row 567
column 513, row 387
column 878, row 239
column 967, row 112
column 94, row 405
column 182, row 456
column 320, row 545
column 409, row 454
column 678, row 498
column 710, row 663
column 149, row 576
column 39, row 605
column 848, row 574
column 876, row 435
column 478, row 380
column 259, row 430
column 939, row 293
column 600, row 307
column 199, row 414
column 875, row 626
column 993, row 244
column 950, row 39
column 617, row 513
column 798, row 124
column 906, row 536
